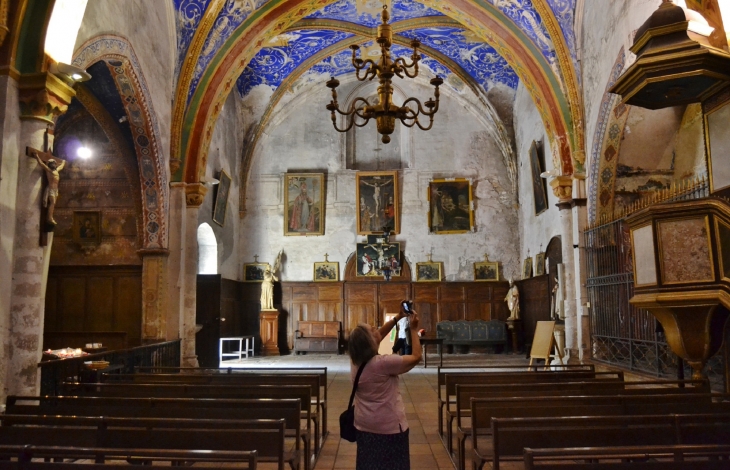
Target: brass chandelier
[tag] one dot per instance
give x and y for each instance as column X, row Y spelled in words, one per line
column 385, row 112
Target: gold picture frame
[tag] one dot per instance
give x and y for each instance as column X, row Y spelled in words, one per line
column 717, row 142
column 304, row 195
column 254, row 272
column 377, row 201
column 221, row 199
column 486, row 271
column 450, row 206
column 429, row 271
column 527, row 268
column 540, row 264
column 87, row 228
column 326, row 271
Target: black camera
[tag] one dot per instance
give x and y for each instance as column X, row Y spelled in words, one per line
column 407, row 306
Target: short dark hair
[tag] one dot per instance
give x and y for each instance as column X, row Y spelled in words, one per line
column 361, row 346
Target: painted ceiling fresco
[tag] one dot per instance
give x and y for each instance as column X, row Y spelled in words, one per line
column 290, row 50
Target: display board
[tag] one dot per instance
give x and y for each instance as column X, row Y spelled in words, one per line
column 543, row 342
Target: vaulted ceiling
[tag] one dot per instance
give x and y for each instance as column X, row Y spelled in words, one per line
column 243, row 44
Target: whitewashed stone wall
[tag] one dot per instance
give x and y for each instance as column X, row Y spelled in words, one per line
column 534, row 230
column 300, row 137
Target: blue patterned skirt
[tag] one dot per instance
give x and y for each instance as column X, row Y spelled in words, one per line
column 383, row 451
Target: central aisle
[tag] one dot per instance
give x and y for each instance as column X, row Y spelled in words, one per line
column 418, row 388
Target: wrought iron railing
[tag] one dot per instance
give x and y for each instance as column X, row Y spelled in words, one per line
column 622, row 335
column 55, row 372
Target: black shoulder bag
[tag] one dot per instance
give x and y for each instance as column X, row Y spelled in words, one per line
column 348, row 431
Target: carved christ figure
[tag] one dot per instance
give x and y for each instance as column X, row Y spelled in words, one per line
column 50, row 195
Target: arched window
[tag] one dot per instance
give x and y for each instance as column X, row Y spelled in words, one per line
column 207, row 250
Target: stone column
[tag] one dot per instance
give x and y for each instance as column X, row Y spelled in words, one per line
column 563, row 190
column 194, row 195
column 41, row 98
column 176, row 260
column 580, row 222
column 154, row 295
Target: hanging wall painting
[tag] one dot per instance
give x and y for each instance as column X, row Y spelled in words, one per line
column 372, row 258
column 87, row 228
column 450, row 206
column 527, row 268
column 304, row 204
column 377, row 201
column 429, row 271
column 254, row 272
column 486, row 271
column 540, row 264
column 537, row 163
column 326, row 271
column 221, row 199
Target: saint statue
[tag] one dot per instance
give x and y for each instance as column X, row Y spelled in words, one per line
column 50, row 195
column 513, row 301
column 267, row 286
column 557, row 304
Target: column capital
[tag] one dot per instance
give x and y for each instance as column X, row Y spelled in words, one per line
column 563, row 188
column 43, row 96
column 195, row 194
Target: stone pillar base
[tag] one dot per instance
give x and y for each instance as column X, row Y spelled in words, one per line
column 269, row 330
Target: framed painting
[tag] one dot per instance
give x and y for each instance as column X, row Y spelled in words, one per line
column 371, row 259
column 429, row 271
column 540, row 264
column 377, row 201
column 527, row 268
column 87, row 227
column 537, row 162
column 304, row 195
column 450, row 206
column 486, row 271
column 254, row 272
column 326, row 271
column 221, row 199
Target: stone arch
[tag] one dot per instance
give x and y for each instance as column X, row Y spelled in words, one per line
column 207, row 250
column 124, row 66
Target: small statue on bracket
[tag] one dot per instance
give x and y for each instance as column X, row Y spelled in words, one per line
column 267, row 286
column 513, row 301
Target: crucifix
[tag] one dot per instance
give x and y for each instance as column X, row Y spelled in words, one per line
column 486, row 257
column 326, row 257
column 256, row 258
column 51, row 167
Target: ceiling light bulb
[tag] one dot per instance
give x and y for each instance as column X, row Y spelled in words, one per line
column 83, row 152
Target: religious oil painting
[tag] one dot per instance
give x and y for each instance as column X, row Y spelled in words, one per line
column 537, row 162
column 372, row 258
column 304, row 195
column 450, row 208
column 486, row 271
column 539, row 264
column 527, row 268
column 326, row 271
column 428, row 271
column 87, row 227
column 377, row 201
column 254, row 272
column 221, row 199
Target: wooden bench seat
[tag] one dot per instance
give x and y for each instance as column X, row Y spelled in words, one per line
column 676, row 457
column 248, row 379
column 318, row 336
column 595, row 387
column 511, row 435
column 267, row 437
column 186, row 408
column 19, row 457
column 319, row 371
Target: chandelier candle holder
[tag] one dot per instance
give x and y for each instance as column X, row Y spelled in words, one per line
column 385, row 112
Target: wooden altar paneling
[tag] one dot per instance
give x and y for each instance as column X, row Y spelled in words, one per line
column 534, row 303
column 361, row 305
column 310, row 301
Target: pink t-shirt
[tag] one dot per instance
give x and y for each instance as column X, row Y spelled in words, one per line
column 378, row 405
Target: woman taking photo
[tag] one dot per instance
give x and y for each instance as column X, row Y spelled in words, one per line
column 380, row 416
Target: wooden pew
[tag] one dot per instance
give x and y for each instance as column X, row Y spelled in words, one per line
column 319, row 371
column 267, row 437
column 311, row 380
column 444, row 397
column 556, row 388
column 451, row 382
column 678, row 457
column 102, row 456
column 122, row 390
column 185, row 408
column 511, row 435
